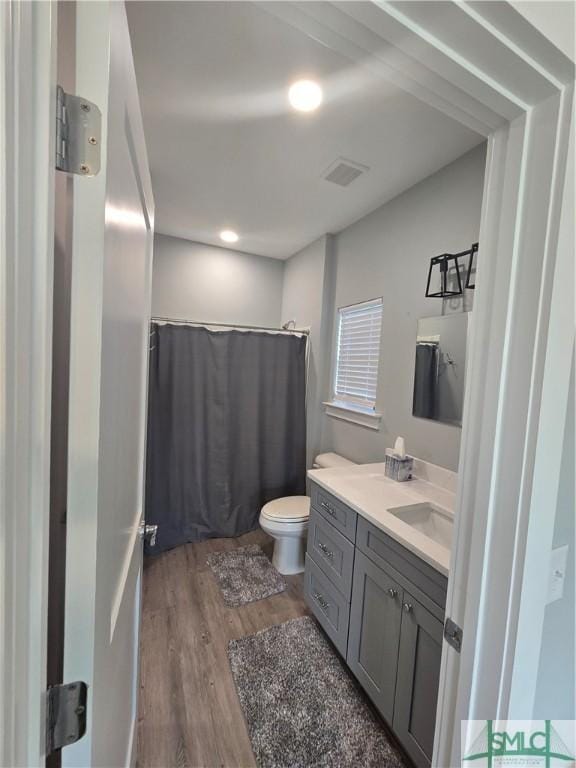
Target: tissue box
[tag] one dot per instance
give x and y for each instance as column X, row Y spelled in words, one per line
column 398, row 469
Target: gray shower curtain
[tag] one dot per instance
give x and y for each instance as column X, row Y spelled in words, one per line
column 226, row 429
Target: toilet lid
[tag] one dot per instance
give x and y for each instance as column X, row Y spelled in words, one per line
column 288, row 509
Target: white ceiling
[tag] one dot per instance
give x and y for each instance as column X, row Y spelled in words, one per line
column 226, row 150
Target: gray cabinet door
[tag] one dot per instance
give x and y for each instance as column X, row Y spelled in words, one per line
column 418, row 679
column 375, row 617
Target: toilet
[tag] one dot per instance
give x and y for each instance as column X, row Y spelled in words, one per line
column 286, row 520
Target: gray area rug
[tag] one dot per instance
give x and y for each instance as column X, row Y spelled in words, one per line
column 301, row 706
column 245, row 574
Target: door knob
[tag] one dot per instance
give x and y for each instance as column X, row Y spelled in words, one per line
column 407, row 607
column 392, row 592
column 148, row 533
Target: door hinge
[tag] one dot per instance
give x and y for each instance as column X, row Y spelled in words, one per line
column 453, row 634
column 148, row 533
column 65, row 714
column 78, row 134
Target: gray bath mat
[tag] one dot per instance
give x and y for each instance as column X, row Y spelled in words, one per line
column 301, row 706
column 245, row 574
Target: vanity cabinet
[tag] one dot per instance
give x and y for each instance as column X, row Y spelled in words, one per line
column 383, row 608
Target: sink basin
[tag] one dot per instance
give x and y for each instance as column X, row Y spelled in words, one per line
column 433, row 522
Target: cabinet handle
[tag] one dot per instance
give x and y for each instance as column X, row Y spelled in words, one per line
column 328, row 508
column 325, row 551
column 320, row 599
column 393, row 592
column 407, row 607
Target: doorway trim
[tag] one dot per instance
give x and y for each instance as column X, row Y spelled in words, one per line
column 27, row 112
column 484, row 65
column 481, row 63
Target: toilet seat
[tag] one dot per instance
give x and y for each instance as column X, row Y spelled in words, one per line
column 288, row 509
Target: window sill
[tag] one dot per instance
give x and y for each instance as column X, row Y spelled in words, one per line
column 347, row 412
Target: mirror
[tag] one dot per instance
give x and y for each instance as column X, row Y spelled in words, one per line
column 439, row 368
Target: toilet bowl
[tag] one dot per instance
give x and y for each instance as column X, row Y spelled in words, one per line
column 286, row 520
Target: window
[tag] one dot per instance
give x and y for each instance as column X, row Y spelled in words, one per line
column 357, row 355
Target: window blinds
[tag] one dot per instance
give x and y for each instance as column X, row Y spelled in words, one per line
column 359, row 330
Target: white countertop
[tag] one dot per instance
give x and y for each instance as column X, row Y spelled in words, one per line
column 366, row 489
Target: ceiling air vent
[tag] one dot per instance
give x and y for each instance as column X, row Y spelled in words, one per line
column 343, row 172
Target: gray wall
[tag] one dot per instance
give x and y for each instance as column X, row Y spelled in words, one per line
column 384, row 254
column 304, row 298
column 387, row 254
column 193, row 281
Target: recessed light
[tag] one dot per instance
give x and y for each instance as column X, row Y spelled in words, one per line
column 229, row 236
column 305, row 95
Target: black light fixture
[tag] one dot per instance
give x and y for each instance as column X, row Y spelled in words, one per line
column 445, row 262
column 469, row 284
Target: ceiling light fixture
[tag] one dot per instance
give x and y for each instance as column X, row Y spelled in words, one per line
column 305, row 95
column 229, row 236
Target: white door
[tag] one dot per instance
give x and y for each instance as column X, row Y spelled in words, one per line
column 110, row 313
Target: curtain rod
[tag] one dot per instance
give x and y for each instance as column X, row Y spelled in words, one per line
column 228, row 325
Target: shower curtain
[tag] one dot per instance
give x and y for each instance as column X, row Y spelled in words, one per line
column 425, row 402
column 226, row 429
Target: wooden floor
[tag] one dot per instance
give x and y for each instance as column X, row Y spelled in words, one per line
column 189, row 713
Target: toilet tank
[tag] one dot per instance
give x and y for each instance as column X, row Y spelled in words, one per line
column 330, row 461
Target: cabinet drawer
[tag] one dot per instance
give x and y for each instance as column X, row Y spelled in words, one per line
column 330, row 608
column 342, row 517
column 386, row 552
column 331, row 551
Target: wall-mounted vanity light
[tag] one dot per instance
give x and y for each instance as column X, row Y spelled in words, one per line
column 449, row 264
column 471, row 268
column 444, row 262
